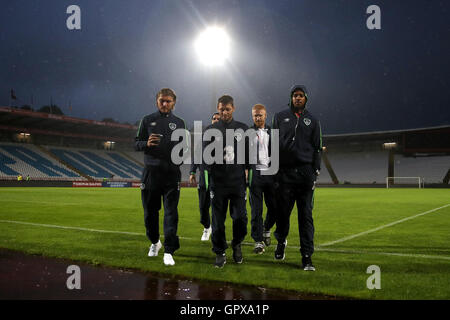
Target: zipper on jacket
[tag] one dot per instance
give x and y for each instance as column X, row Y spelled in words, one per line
column 295, row 130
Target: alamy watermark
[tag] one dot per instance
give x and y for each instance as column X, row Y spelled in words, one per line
column 73, row 22
column 74, row 280
column 211, row 147
column 374, row 281
column 373, row 22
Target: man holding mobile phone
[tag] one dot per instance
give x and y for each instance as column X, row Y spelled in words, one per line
column 161, row 177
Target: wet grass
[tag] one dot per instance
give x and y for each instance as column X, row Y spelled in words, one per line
column 414, row 256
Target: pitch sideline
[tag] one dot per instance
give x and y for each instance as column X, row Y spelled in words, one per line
column 245, row 243
column 380, row 227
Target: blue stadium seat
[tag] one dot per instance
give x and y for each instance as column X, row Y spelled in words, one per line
column 127, row 165
column 112, row 167
column 82, row 164
column 4, row 160
column 36, row 161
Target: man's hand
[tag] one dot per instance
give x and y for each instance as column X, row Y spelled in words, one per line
column 153, row 140
column 317, row 172
column 192, row 179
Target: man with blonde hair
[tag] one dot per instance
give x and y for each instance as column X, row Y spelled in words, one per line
column 262, row 187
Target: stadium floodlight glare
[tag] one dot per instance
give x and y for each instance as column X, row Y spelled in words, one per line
column 389, row 145
column 213, row 46
column 109, row 145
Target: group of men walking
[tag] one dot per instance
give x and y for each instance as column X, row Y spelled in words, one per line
column 223, row 184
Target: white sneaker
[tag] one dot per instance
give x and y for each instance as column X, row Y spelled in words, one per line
column 168, row 259
column 154, row 248
column 206, row 234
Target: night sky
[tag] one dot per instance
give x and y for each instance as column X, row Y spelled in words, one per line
column 359, row 80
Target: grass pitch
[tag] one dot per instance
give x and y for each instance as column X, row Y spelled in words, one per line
column 406, row 232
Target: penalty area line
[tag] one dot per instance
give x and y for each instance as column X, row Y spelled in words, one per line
column 395, row 254
column 380, row 227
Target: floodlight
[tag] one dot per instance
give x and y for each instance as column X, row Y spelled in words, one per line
column 213, row 46
column 389, row 145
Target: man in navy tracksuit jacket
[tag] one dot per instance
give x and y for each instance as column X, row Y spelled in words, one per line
column 228, row 184
column 203, row 191
column 161, row 177
column 300, row 142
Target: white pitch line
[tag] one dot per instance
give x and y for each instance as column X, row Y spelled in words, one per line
column 409, row 255
column 380, row 227
column 42, row 202
column 244, row 243
column 397, row 254
column 72, row 228
column 78, row 228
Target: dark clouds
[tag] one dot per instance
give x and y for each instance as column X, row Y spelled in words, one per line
column 359, row 80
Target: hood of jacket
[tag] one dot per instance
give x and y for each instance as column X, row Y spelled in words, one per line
column 295, row 88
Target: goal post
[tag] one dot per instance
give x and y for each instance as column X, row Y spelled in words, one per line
column 405, row 181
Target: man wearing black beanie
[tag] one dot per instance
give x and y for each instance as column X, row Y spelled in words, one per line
column 300, row 143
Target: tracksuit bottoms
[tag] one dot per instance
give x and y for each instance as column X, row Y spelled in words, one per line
column 296, row 186
column 237, row 198
column 262, row 187
column 157, row 184
column 204, row 204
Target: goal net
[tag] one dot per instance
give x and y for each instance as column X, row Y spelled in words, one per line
column 415, row 182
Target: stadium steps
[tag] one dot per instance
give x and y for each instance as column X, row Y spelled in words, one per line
column 131, row 158
column 64, row 163
column 447, row 177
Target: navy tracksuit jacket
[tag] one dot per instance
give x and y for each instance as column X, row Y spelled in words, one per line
column 300, row 142
column 228, row 185
column 161, row 177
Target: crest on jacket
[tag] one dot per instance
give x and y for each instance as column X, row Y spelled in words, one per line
column 307, row 121
column 229, row 154
column 172, row 126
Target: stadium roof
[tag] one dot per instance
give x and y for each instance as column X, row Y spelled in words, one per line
column 432, row 139
column 426, row 140
column 19, row 120
column 388, row 132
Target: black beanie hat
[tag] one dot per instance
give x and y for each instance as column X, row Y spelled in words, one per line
column 296, row 88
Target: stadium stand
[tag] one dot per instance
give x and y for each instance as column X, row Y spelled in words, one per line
column 99, row 164
column 324, row 177
column 431, row 169
column 371, row 167
column 368, row 158
column 359, row 167
column 139, row 158
column 58, row 147
column 26, row 160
